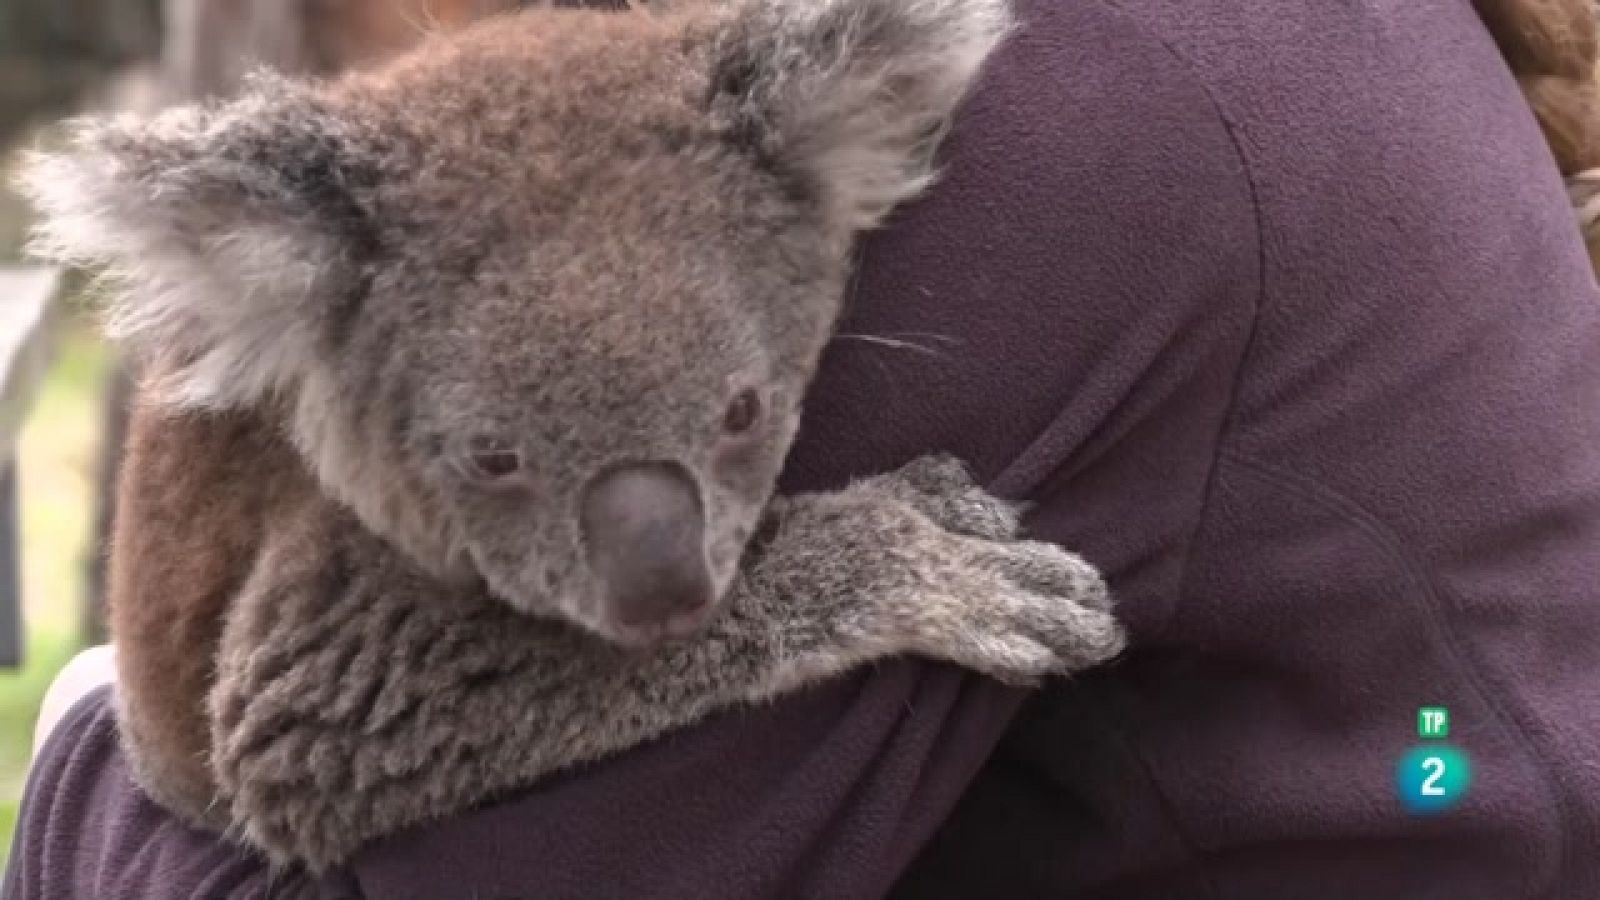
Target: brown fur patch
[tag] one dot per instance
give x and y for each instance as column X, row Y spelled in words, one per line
column 1553, row 49
column 180, row 550
column 351, row 33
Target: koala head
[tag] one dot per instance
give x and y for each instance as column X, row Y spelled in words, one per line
column 540, row 300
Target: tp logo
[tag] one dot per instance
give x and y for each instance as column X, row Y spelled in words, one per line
column 1433, row 777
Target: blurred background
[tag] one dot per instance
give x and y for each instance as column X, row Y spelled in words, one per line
column 63, row 392
column 56, row 57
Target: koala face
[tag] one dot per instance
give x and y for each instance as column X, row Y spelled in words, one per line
column 615, row 474
column 601, row 395
column 540, row 300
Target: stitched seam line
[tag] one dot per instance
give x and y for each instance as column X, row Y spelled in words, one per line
column 1174, row 821
column 1471, row 670
column 1258, row 302
column 1004, row 484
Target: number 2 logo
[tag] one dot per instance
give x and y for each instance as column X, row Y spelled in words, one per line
column 1430, row 785
column 1432, row 779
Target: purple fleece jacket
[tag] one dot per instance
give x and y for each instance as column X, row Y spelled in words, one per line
column 1276, row 311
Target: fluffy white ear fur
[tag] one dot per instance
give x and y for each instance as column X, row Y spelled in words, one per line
column 853, row 95
column 224, row 230
column 214, row 251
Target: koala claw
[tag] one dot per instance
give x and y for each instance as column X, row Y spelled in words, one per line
column 1051, row 570
column 942, row 488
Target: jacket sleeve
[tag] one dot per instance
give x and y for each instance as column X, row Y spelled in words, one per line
column 85, row 831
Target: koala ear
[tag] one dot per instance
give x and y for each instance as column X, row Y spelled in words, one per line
column 851, row 96
column 229, row 234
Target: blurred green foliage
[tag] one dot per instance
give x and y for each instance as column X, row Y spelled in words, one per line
column 57, row 459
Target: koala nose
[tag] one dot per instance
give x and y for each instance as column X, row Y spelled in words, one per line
column 645, row 532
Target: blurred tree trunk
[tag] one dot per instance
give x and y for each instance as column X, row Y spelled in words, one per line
column 53, row 51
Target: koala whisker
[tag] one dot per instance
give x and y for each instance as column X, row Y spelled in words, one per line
column 931, row 335
column 891, row 342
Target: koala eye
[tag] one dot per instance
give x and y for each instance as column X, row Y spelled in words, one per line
column 491, row 459
column 743, row 412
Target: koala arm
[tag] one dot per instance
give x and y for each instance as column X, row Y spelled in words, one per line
column 355, row 697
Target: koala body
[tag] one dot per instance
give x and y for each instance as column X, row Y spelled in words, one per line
column 470, row 378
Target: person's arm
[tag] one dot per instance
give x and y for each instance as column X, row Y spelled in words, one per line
column 1404, row 513
column 84, row 832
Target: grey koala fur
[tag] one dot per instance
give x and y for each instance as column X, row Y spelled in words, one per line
column 578, row 239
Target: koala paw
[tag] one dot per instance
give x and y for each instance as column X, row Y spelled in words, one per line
column 1019, row 611
column 979, row 596
column 923, row 561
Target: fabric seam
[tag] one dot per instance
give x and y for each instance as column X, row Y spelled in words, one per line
column 1258, row 302
column 1473, row 674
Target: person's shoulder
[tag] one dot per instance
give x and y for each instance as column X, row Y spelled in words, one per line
column 1120, row 74
column 1101, row 115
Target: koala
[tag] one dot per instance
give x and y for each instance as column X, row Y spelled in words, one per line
column 469, row 379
